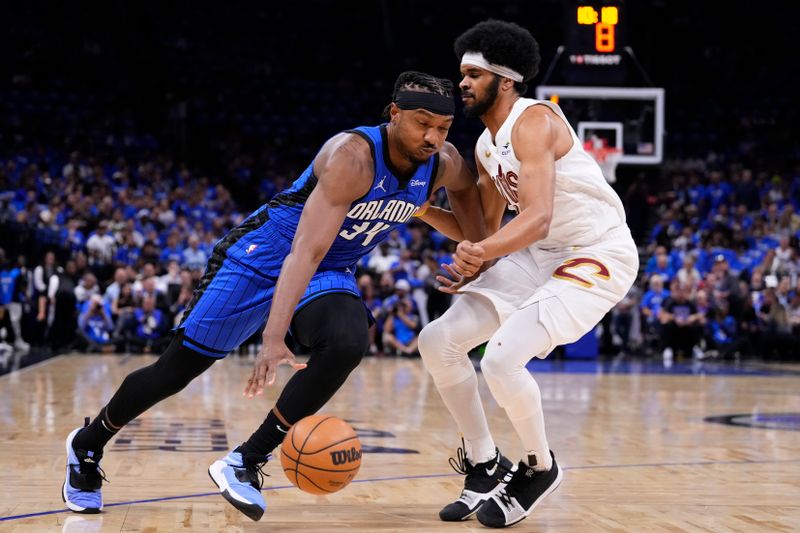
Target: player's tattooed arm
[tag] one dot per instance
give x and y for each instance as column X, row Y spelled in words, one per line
column 534, row 138
column 466, row 220
column 344, row 169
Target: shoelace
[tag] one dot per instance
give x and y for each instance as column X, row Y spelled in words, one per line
column 254, row 466
column 460, row 463
column 91, row 471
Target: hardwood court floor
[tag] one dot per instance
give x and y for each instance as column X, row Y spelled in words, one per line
column 637, row 453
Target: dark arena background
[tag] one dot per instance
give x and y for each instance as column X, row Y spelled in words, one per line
column 134, row 135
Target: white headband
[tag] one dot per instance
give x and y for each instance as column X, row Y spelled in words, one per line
column 476, row 59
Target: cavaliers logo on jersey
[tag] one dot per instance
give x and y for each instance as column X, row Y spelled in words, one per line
column 506, row 183
column 564, row 271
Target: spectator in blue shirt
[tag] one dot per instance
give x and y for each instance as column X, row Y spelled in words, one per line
column 653, row 299
column 719, row 191
column 661, row 264
column 172, row 251
column 148, row 327
column 697, row 192
column 95, row 326
column 73, row 236
column 194, row 258
column 128, row 253
column 402, row 322
column 741, row 218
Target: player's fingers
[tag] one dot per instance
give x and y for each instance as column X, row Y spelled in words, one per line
column 465, row 270
column 291, row 361
column 248, row 390
column 261, row 377
column 445, row 281
column 465, row 259
column 458, row 270
column 270, row 376
column 468, row 270
column 455, row 288
column 459, row 264
column 475, row 249
column 449, row 269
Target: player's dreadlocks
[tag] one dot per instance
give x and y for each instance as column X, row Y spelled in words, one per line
column 503, row 43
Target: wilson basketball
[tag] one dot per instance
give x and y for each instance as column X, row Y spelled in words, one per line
column 321, row 454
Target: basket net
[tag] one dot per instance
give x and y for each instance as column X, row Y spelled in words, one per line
column 607, row 157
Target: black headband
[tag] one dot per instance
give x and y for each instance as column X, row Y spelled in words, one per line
column 435, row 103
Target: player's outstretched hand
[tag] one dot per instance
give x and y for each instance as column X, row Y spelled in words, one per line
column 452, row 284
column 468, row 258
column 266, row 366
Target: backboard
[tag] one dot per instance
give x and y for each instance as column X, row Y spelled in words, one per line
column 630, row 118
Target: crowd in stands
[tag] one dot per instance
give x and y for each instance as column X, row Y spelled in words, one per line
column 721, row 276
column 117, row 249
column 104, row 248
column 108, row 256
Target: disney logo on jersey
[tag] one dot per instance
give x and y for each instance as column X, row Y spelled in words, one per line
column 417, row 183
column 506, row 183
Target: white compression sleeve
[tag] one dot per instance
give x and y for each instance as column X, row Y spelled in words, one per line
column 443, row 345
column 521, row 337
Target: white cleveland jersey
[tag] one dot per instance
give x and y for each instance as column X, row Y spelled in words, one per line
column 585, row 206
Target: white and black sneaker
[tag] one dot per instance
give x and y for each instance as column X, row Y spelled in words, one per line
column 483, row 480
column 517, row 499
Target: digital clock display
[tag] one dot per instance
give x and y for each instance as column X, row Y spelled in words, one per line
column 604, row 24
column 596, row 33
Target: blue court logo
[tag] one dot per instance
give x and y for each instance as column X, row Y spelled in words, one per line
column 783, row 421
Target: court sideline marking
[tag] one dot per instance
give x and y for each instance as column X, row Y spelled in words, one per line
column 29, row 367
column 421, row 476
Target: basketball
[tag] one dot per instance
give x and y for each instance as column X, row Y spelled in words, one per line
column 321, row 454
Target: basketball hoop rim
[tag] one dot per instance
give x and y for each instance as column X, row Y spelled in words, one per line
column 602, row 154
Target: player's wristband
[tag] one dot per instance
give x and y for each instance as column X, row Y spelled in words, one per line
column 421, row 212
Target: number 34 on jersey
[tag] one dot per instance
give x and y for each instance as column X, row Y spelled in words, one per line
column 377, row 216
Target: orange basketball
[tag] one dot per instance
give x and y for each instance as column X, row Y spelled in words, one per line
column 321, row 454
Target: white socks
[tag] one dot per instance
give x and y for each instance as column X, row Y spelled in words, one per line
column 464, row 403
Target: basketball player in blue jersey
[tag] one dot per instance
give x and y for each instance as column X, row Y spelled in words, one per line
column 292, row 263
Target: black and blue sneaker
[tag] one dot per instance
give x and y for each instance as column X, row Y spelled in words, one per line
column 84, row 480
column 239, row 479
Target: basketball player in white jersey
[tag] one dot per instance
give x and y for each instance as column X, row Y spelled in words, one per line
column 563, row 262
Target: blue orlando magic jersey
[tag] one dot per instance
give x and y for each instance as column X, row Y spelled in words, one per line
column 235, row 295
column 391, row 201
